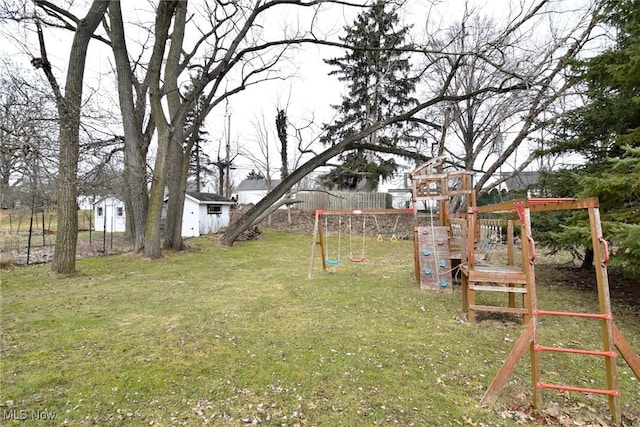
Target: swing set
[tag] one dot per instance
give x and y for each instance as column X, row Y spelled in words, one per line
column 328, row 234
column 337, row 235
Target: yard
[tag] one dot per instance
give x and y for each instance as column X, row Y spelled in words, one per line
column 240, row 336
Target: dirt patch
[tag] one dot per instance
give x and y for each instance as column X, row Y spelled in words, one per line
column 624, row 292
column 17, row 254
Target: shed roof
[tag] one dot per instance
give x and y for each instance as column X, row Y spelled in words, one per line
column 209, row 197
column 256, row 184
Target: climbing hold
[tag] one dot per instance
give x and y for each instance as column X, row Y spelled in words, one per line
column 443, row 284
column 426, row 252
column 440, row 242
column 427, row 271
column 443, row 264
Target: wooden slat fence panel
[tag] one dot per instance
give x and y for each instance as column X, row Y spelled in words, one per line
column 336, row 200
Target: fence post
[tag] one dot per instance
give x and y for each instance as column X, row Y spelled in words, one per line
column 30, row 230
column 90, row 226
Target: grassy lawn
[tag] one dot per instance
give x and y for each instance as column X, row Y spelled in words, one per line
column 236, row 336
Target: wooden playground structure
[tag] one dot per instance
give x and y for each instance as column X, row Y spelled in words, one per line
column 451, row 241
column 470, row 235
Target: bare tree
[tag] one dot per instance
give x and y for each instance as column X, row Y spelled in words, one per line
column 68, row 102
column 138, row 128
column 458, row 68
column 356, row 141
column 262, row 149
column 485, row 132
column 229, row 54
column 229, row 50
column 27, row 129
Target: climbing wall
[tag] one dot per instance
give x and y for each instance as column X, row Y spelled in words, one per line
column 434, row 258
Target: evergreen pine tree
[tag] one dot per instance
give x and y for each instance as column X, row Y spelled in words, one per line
column 606, row 131
column 253, row 175
column 376, row 73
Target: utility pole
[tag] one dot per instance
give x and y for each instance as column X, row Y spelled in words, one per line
column 224, row 165
column 227, row 189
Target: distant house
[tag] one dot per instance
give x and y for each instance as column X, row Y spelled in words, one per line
column 109, row 215
column 205, row 213
column 251, row 191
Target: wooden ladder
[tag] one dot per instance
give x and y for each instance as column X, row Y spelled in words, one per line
column 612, row 338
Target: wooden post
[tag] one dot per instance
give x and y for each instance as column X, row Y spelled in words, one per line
column 313, row 245
column 509, row 366
column 600, row 260
column 510, row 261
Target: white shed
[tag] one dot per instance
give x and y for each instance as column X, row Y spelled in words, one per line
column 251, row 191
column 205, row 213
column 109, row 215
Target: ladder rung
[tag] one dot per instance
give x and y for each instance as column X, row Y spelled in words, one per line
column 579, row 389
column 509, row 289
column 605, row 316
column 498, row 309
column 576, row 351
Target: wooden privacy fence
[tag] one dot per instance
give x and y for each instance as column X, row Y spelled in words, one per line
column 336, row 200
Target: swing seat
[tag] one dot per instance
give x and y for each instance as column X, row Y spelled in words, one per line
column 332, row 261
column 356, row 260
column 381, row 235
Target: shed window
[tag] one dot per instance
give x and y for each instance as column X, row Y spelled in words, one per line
column 120, row 211
column 214, row 209
column 99, row 210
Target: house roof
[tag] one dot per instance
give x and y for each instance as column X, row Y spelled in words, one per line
column 256, row 184
column 209, row 197
column 521, row 180
column 109, row 199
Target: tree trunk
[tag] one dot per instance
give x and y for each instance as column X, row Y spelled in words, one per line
column 587, row 262
column 244, row 222
column 64, row 255
column 177, row 112
column 135, row 192
column 179, row 167
column 136, row 179
column 352, row 142
column 152, row 234
column 164, row 15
